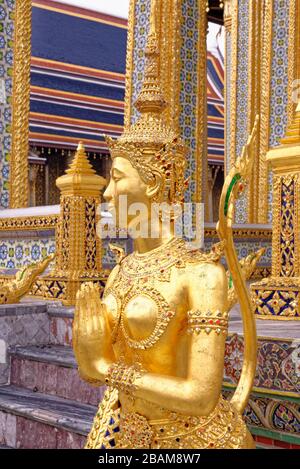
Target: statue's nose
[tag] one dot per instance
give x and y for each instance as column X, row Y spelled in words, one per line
column 108, row 194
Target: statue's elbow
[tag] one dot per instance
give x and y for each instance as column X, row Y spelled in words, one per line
column 202, row 404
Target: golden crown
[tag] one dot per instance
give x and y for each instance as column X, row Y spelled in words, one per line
column 150, row 144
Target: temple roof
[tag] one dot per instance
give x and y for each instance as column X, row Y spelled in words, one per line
column 78, row 79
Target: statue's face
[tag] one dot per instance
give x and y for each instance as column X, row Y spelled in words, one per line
column 125, row 181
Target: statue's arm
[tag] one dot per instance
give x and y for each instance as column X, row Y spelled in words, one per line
column 198, row 393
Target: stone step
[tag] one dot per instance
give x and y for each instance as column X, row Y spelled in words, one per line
column 61, row 319
column 34, row 420
column 51, row 369
column 23, row 324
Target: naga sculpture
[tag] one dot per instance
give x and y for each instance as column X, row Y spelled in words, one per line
column 157, row 336
column 12, row 291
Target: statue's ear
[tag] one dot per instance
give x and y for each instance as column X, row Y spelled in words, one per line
column 156, row 184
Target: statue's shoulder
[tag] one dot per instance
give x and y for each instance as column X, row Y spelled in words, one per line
column 197, row 256
column 204, row 270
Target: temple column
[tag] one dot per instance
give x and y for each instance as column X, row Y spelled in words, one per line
column 19, row 180
column 6, row 70
column 278, row 297
column 182, row 26
column 260, row 70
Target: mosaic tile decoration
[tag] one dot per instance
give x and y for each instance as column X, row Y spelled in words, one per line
column 15, row 253
column 279, row 77
column 276, row 414
column 241, row 212
column 6, row 62
column 270, row 197
column 242, row 78
column 189, row 89
column 278, row 88
column 141, row 28
column 228, row 99
column 278, row 363
column 273, row 414
column 279, row 81
column 108, row 258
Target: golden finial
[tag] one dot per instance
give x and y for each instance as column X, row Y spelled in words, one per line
column 80, row 178
column 80, row 163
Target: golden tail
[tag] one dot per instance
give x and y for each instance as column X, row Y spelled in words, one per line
column 233, row 185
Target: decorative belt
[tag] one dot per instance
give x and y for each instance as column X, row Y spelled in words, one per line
column 223, row 428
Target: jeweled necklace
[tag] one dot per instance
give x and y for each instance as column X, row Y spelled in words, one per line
column 156, row 261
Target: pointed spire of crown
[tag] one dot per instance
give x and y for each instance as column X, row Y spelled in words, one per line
column 151, row 143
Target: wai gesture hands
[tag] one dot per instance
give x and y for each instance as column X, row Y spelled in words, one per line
column 91, row 333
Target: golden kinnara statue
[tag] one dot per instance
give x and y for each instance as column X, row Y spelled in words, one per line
column 157, row 337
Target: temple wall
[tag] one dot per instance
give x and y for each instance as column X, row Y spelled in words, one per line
column 28, row 236
column 280, row 70
column 19, row 248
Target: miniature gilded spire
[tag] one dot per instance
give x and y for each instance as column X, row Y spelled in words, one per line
column 80, row 163
column 80, row 178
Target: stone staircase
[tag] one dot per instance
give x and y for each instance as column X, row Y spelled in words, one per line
column 44, row 403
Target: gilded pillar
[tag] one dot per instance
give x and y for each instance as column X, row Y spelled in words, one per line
column 78, row 248
column 181, row 26
column 278, row 297
column 19, row 184
column 6, row 73
column 260, row 70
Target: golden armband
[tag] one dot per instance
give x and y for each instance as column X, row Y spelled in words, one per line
column 208, row 321
column 123, row 377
